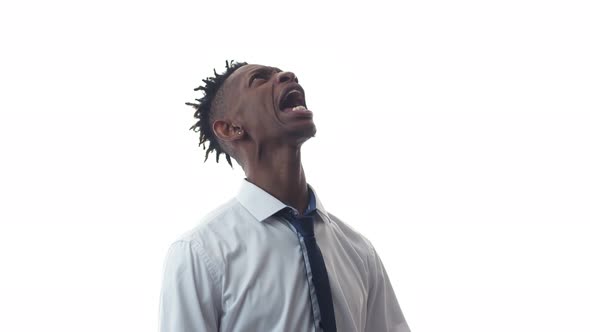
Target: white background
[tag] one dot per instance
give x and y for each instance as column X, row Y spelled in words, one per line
column 453, row 134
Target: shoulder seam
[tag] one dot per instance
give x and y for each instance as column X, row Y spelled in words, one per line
column 213, row 273
column 208, row 263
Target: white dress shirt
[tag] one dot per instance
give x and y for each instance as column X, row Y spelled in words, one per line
column 242, row 270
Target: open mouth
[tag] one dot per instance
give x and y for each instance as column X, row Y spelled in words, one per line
column 293, row 100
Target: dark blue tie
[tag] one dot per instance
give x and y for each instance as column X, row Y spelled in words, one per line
column 321, row 283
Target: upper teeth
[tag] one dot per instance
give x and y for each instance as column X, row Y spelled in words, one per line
column 299, row 108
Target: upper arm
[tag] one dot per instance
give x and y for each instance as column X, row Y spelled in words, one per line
column 189, row 299
column 383, row 310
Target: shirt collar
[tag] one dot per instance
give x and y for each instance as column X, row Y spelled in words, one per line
column 262, row 205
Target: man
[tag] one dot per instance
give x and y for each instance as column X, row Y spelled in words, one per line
column 272, row 258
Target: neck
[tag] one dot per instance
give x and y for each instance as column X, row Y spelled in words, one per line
column 280, row 173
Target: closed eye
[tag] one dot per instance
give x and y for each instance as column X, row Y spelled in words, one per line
column 263, row 75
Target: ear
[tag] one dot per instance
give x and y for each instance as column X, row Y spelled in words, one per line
column 226, row 131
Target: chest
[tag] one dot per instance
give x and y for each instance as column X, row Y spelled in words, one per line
column 265, row 288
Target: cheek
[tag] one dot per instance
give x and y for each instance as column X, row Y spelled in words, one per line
column 259, row 119
column 264, row 116
column 265, row 125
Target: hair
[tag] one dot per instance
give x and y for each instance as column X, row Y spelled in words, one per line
column 208, row 104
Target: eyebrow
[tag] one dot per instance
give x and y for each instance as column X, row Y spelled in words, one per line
column 265, row 69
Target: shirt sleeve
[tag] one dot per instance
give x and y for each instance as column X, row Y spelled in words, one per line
column 189, row 298
column 383, row 310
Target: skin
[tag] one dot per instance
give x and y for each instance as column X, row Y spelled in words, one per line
column 266, row 141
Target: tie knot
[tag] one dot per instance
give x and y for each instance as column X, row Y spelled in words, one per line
column 303, row 224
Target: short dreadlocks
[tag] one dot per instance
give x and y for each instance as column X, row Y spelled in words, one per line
column 204, row 108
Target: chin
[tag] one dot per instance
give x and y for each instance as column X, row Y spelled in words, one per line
column 303, row 134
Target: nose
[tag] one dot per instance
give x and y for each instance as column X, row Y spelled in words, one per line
column 287, row 76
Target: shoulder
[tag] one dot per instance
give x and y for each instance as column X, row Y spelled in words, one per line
column 351, row 235
column 206, row 243
column 220, row 232
column 214, row 223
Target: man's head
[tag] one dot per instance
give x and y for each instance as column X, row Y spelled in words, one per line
column 251, row 107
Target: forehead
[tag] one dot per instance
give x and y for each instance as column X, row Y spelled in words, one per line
column 246, row 70
column 238, row 80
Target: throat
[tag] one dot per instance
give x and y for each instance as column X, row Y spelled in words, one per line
column 282, row 176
